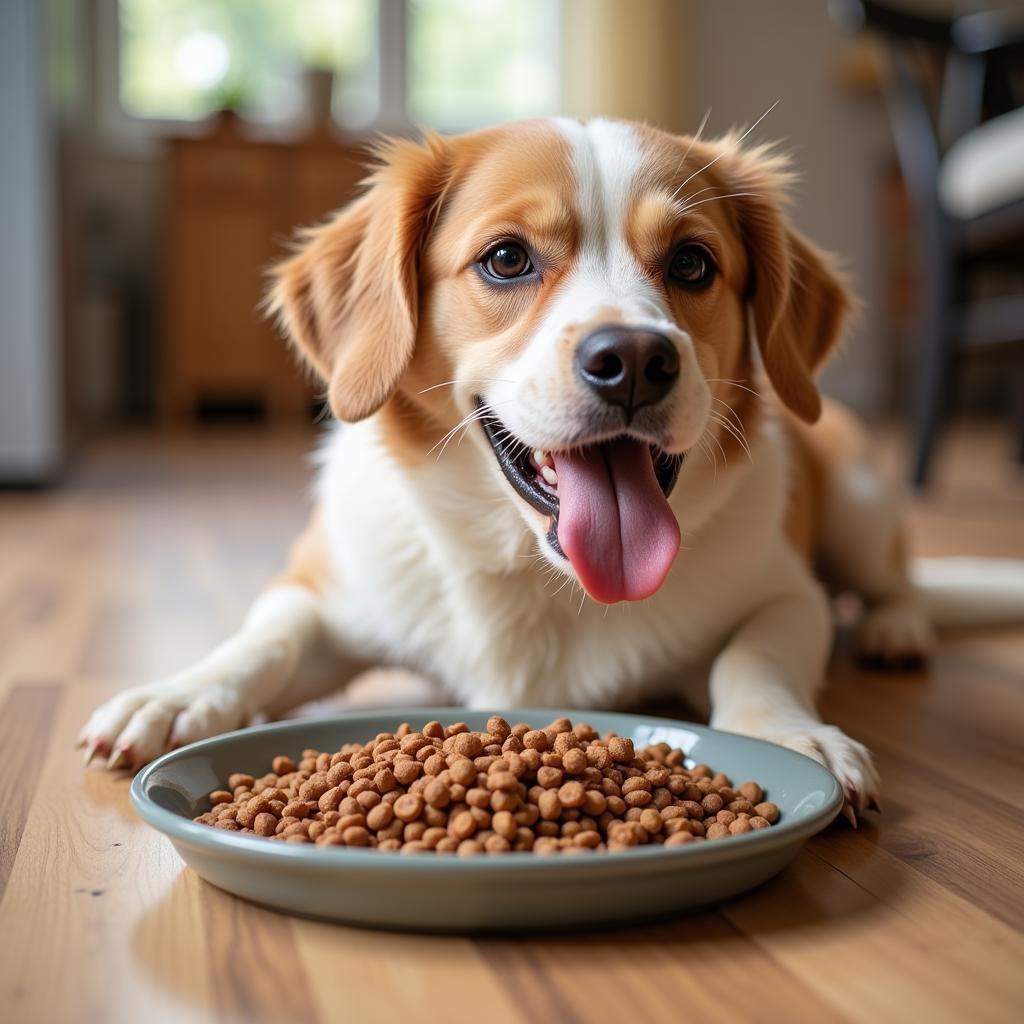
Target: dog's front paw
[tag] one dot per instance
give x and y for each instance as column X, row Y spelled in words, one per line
column 136, row 726
column 849, row 761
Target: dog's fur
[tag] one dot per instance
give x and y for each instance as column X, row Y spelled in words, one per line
column 420, row 555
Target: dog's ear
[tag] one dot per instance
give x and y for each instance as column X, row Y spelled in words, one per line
column 798, row 298
column 348, row 299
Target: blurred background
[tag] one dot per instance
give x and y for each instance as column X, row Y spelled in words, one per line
column 157, row 154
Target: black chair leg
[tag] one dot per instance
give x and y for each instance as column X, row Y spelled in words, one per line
column 936, row 352
column 1018, row 411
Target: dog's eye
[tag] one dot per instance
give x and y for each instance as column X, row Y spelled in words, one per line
column 506, row 261
column 691, row 264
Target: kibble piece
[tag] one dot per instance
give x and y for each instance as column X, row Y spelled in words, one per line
column 751, row 791
column 571, row 794
column 264, row 825
column 651, row 820
column 679, row 839
column 437, row 794
column 380, row 817
column 408, row 807
column 768, row 811
column 549, row 804
column 467, row 744
column 621, row 749
column 574, row 761
column 463, row 771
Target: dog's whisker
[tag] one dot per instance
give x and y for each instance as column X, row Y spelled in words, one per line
column 715, row 199
column 466, row 380
column 741, row 384
column 727, row 426
column 729, row 149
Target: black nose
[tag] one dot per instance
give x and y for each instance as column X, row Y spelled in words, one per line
column 626, row 367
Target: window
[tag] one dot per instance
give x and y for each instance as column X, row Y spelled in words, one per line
column 181, row 60
column 472, row 62
column 450, row 64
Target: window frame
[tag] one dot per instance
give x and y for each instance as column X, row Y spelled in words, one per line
column 143, row 135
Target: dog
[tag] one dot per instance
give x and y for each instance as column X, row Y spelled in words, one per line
column 581, row 458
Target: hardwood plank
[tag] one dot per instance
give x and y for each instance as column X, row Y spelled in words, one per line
column 384, row 977
column 105, row 929
column 26, row 717
column 879, row 960
column 701, row 967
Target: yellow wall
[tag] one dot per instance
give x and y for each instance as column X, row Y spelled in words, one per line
column 626, row 58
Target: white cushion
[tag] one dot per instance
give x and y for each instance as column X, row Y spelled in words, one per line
column 985, row 169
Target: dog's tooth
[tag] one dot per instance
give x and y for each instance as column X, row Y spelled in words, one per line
column 549, row 474
column 540, row 456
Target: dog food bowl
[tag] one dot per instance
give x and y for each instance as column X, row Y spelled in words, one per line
column 506, row 892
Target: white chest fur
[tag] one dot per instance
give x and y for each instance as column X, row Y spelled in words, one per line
column 437, row 571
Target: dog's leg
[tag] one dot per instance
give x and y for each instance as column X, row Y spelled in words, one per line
column 864, row 548
column 764, row 682
column 281, row 657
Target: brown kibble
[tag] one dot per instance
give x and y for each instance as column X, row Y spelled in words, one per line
column 380, row 816
column 651, row 820
column 550, row 791
column 621, row 749
column 499, row 728
column 463, row 771
column 264, row 825
column 549, row 804
column 574, row 761
column 505, row 781
column 751, row 791
column 505, row 825
column 467, row 744
column 437, row 794
column 408, row 807
column 406, row 772
column 712, row 803
column 571, row 794
column 536, row 739
column 679, row 839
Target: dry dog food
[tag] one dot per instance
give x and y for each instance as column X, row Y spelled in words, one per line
column 446, row 789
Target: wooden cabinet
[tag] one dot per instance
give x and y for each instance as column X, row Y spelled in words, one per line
column 231, row 207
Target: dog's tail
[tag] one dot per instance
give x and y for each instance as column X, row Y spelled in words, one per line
column 967, row 592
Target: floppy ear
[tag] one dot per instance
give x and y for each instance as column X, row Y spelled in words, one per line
column 348, row 299
column 798, row 298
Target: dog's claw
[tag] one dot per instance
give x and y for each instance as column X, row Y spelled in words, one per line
column 119, row 759
column 874, row 804
column 90, row 753
column 849, row 813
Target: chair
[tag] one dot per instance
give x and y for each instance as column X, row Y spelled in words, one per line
column 962, row 161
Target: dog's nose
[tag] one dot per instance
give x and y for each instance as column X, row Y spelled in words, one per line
column 626, row 367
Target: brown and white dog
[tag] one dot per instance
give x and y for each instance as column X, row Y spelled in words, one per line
column 545, row 343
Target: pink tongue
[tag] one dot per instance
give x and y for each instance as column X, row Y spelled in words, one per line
column 614, row 523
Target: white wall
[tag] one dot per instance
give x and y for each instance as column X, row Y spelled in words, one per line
column 747, row 54
column 30, row 398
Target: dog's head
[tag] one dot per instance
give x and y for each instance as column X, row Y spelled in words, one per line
column 582, row 291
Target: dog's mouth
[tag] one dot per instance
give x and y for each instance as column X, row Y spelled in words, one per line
column 608, row 505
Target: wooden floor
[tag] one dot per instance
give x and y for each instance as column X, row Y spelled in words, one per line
column 150, row 553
